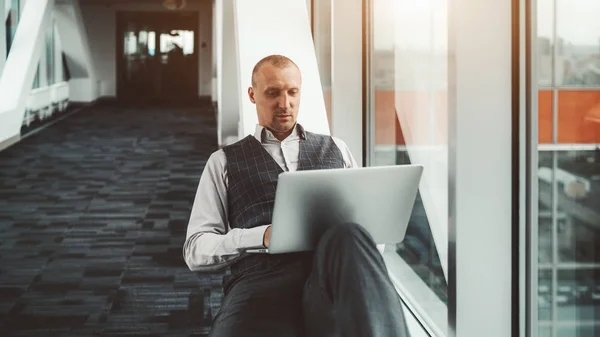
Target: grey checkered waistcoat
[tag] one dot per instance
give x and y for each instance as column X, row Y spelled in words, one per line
column 253, row 173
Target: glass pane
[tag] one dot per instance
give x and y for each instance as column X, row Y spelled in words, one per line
column 36, row 79
column 545, row 116
column 545, row 292
column 544, row 331
column 578, row 331
column 578, row 37
column 569, row 239
column 569, row 171
column 409, row 120
column 322, row 39
column 578, row 180
column 50, row 55
column 545, row 41
column 11, row 22
column 579, row 115
column 577, row 295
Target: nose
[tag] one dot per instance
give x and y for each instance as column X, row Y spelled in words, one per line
column 284, row 101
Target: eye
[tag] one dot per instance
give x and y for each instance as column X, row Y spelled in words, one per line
column 293, row 92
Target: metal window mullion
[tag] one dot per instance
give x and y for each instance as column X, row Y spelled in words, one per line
column 523, row 142
column 532, row 163
column 554, row 168
column 369, row 83
column 571, row 265
column 554, row 242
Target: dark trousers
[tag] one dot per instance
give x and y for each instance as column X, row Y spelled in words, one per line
column 340, row 289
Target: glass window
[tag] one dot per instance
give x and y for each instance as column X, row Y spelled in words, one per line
column 545, row 42
column 50, row 55
column 578, row 43
column 579, row 115
column 322, row 40
column 569, row 167
column 11, row 23
column 36, row 79
column 408, row 119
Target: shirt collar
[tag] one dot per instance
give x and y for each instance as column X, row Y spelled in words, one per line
column 261, row 133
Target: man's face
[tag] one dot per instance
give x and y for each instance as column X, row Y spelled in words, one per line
column 277, row 97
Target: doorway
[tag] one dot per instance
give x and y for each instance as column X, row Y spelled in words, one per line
column 157, row 56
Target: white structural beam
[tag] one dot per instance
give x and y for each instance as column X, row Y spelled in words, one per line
column 283, row 29
column 83, row 85
column 20, row 67
column 346, row 74
column 217, row 43
column 480, row 172
column 3, row 14
column 6, row 4
column 229, row 95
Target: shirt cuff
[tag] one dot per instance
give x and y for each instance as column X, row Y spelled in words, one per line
column 252, row 237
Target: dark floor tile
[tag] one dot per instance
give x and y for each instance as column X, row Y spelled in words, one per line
column 92, row 222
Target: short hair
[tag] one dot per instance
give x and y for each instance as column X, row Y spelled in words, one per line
column 278, row 61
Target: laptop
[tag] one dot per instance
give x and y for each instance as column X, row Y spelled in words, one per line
column 307, row 203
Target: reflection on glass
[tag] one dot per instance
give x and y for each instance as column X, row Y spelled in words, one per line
column 36, row 79
column 545, row 295
column 50, row 55
column 569, row 240
column 579, row 115
column 12, row 21
column 569, row 168
column 578, row 43
column 544, row 331
column 545, row 42
column 577, row 295
column 409, row 120
column 579, row 196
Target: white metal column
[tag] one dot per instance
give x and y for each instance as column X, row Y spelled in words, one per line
column 229, row 92
column 480, row 174
column 20, row 67
column 2, row 35
column 216, row 23
column 346, row 70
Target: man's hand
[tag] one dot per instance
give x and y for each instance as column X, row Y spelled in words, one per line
column 267, row 237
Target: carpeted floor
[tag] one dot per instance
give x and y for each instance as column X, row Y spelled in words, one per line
column 93, row 216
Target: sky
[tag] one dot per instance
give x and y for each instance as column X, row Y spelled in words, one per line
column 578, row 21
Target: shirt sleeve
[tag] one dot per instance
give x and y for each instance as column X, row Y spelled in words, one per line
column 210, row 243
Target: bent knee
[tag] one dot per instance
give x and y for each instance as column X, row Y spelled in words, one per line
column 344, row 232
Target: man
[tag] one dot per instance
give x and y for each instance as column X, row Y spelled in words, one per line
column 340, row 289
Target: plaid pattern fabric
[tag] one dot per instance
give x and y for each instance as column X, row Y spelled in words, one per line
column 253, row 174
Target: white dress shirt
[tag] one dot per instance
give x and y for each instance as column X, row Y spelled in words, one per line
column 211, row 243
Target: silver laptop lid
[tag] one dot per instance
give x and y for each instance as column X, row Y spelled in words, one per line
column 378, row 198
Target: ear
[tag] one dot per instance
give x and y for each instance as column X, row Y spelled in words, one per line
column 251, row 95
